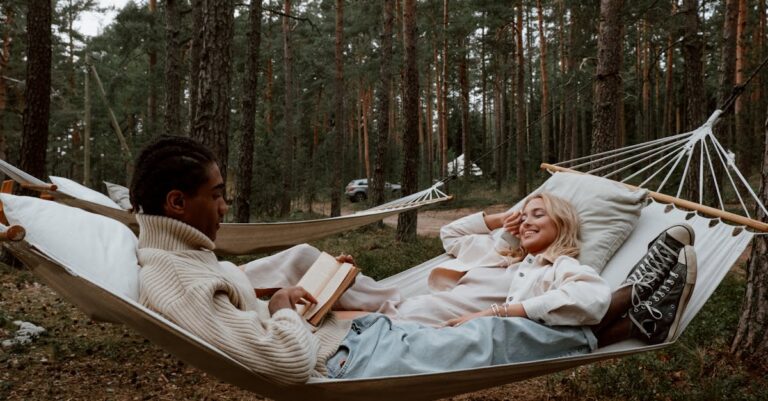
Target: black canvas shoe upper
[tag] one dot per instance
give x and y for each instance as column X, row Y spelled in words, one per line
column 657, row 317
column 661, row 257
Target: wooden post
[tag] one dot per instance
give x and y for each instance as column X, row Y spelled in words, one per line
column 87, row 123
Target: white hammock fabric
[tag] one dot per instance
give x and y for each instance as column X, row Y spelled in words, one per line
column 716, row 245
column 249, row 238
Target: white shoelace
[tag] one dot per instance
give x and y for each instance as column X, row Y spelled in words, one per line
column 660, row 293
column 652, row 267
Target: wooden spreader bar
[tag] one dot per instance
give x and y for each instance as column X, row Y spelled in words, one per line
column 13, row 233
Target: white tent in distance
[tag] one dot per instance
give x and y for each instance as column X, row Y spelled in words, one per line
column 456, row 167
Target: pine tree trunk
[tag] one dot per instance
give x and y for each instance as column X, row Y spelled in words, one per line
column 498, row 106
column 194, row 60
column 751, row 340
column 248, row 122
column 406, row 222
column 758, row 94
column 430, row 140
column 562, row 143
column 693, row 49
column 484, row 91
column 74, row 126
column 269, row 117
column 211, row 124
column 464, row 105
column 173, row 82
column 359, row 117
column 152, row 55
column 669, row 85
column 743, row 136
column 444, row 94
column 464, row 88
column 382, row 98
column 727, row 72
column 545, row 110
column 367, row 95
column 521, row 143
column 647, row 84
column 439, row 102
column 5, row 56
column 37, row 92
column 605, row 123
column 338, row 99
column 288, row 113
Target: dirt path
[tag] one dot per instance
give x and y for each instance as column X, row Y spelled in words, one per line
column 430, row 221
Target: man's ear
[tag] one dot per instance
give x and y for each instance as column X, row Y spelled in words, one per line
column 174, row 203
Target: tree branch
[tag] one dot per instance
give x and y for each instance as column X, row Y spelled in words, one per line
column 303, row 19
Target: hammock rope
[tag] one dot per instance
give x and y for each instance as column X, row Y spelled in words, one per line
column 673, row 152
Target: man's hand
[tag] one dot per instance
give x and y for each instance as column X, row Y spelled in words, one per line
column 344, row 258
column 463, row 319
column 288, row 297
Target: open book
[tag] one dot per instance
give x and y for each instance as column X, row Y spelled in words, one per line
column 326, row 280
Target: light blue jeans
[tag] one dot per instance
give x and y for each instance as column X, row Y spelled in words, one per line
column 375, row 346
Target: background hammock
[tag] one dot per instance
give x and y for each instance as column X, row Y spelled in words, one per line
column 248, row 238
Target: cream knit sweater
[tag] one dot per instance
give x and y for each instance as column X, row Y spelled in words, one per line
column 182, row 279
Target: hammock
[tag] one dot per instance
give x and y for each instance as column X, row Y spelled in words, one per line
column 717, row 249
column 718, row 246
column 248, row 238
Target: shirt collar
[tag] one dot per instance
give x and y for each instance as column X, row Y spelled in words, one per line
column 541, row 259
column 169, row 234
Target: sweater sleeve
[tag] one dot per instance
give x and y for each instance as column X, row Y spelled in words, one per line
column 279, row 347
column 578, row 296
column 457, row 234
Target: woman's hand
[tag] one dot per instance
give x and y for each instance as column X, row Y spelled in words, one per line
column 288, row 297
column 463, row 319
column 512, row 222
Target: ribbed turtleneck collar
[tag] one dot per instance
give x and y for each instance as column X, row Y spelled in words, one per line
column 162, row 232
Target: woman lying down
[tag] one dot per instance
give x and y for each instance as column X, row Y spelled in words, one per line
column 552, row 299
column 537, row 287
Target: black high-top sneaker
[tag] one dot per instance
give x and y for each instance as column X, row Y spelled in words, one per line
column 661, row 257
column 657, row 318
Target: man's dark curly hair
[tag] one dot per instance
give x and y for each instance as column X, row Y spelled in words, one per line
column 165, row 164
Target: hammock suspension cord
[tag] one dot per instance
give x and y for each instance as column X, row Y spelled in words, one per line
column 673, row 150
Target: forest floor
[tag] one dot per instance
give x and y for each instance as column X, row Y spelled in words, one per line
column 78, row 359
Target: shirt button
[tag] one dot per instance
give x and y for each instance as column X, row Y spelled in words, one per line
column 522, row 274
column 510, row 298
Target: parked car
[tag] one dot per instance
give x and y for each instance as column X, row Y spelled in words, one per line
column 357, row 190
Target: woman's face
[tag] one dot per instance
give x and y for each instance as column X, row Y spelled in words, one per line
column 537, row 229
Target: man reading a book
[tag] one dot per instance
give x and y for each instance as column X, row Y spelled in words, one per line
column 178, row 192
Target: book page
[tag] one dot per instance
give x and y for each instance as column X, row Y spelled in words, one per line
column 317, row 277
column 331, row 287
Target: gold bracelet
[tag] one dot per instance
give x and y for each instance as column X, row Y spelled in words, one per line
column 495, row 309
column 506, row 312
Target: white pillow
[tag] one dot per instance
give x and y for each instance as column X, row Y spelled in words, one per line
column 95, row 247
column 607, row 209
column 119, row 194
column 79, row 191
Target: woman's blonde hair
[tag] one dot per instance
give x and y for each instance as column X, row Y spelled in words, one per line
column 567, row 223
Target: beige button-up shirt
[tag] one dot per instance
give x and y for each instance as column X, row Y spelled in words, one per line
column 559, row 292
